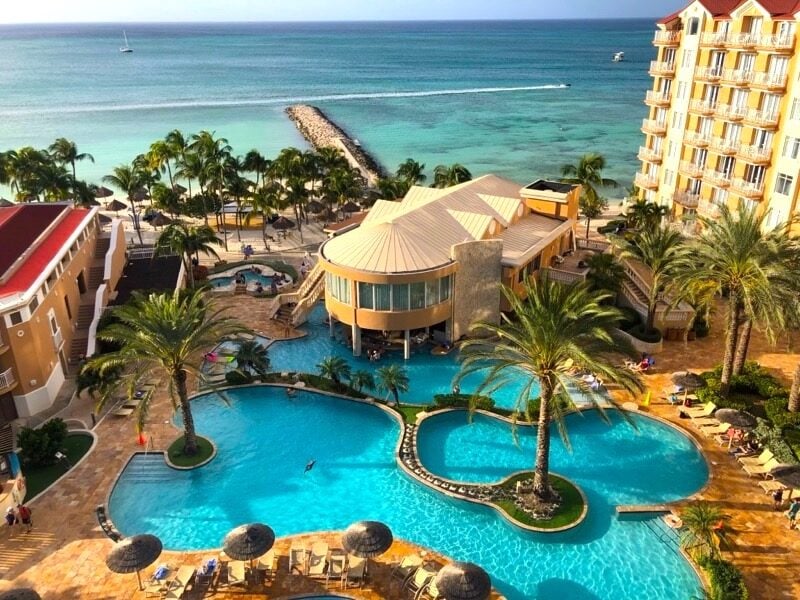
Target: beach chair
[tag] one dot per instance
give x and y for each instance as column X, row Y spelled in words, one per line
column 356, row 571
column 771, row 486
column 176, row 587
column 317, row 560
column 762, row 470
column 731, row 437
column 157, row 584
column 267, row 565
column 337, row 565
column 123, row 411
column 430, row 591
column 762, row 458
column 297, row 559
column 719, row 429
column 414, row 584
column 206, row 572
column 699, row 412
column 405, row 568
column 237, row 573
column 705, row 422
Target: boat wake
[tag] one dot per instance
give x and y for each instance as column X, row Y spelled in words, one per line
column 279, row 101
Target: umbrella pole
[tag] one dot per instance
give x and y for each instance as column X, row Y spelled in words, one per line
column 139, row 579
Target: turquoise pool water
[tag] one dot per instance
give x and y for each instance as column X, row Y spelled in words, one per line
column 428, row 374
column 265, row 439
column 249, row 276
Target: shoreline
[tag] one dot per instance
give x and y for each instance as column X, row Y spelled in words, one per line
column 320, row 131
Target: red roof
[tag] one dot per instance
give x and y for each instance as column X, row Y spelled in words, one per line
column 21, row 227
column 721, row 9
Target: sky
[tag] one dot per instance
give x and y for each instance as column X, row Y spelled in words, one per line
column 114, row 11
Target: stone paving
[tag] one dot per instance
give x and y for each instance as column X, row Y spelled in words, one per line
column 63, row 557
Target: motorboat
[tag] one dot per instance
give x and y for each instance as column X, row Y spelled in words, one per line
column 618, row 57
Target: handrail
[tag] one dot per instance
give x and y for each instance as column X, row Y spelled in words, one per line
column 99, row 309
column 7, row 378
column 563, row 276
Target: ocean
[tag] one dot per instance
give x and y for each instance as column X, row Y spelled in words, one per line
column 484, row 94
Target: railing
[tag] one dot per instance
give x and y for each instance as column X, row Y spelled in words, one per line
column 756, row 154
column 100, row 298
column 742, row 40
column 7, row 379
column 653, row 97
column 697, row 138
column 776, row 42
column 645, row 181
column 731, row 113
column 708, row 210
column 58, row 339
column 714, row 39
column 723, row 146
column 667, row 37
column 770, row 80
column 140, row 252
column 708, row 73
column 704, row 107
column 649, row 155
column 662, row 68
column 691, row 169
column 686, row 199
column 738, row 76
column 748, row 189
column 653, row 126
column 761, row 117
column 564, row 276
column 307, row 300
column 597, row 245
column 717, row 178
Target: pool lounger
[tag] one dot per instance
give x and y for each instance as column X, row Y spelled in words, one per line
column 176, row 587
column 318, row 561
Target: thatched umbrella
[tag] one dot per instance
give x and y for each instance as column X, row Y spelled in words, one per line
column 367, row 539
column 463, row 581
column 116, row 206
column 6, row 203
column 104, row 220
column 133, row 554
column 326, row 216
column 248, row 542
column 160, row 220
column 20, row 594
column 102, row 192
column 350, row 207
column 179, row 189
column 315, row 207
column 688, row 380
column 735, row 418
column 282, row 224
column 140, row 195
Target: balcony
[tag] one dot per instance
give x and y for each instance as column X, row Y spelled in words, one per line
column 742, row 40
column 761, row 118
column 748, row 189
column 691, row 169
column 723, row 146
column 667, row 38
column 776, row 43
column 714, row 40
column 707, row 209
column 654, row 98
column 708, row 74
column 770, row 81
column 755, row 154
column 686, row 199
column 731, row 113
column 643, row 180
column 737, row 76
column 697, row 138
column 7, row 380
column 649, row 155
column 653, row 126
column 703, row 107
column 719, row 179
column 662, row 68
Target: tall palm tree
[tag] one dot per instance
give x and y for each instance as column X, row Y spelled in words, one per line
column 645, row 215
column 662, row 250
column 449, row 175
column 555, row 329
column 191, row 168
column 178, row 149
column 331, row 158
column 159, row 155
column 296, row 194
column 591, row 207
column 127, row 179
column 66, row 152
column 411, row 172
column 24, row 168
column 335, row 368
column 392, row 188
column 83, row 194
column 166, row 199
column 360, row 380
column 605, row 273
column 252, row 357
column 704, row 529
column 188, row 242
column 588, row 173
column 342, row 185
column 392, row 379
column 54, row 182
column 255, row 162
column 164, row 336
column 794, row 391
column 265, row 202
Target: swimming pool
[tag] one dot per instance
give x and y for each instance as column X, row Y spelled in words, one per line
column 428, row 374
column 264, row 278
column 265, row 439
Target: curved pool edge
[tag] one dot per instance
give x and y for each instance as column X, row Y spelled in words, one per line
column 172, row 465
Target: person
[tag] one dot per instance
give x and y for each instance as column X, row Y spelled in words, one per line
column 25, row 516
column 259, row 288
column 456, row 389
column 777, row 498
column 644, row 364
column 791, row 514
column 11, row 517
column 290, row 392
column 309, row 465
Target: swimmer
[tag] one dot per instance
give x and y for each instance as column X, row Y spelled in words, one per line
column 309, row 465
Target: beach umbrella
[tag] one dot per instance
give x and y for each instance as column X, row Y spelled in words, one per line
column 248, row 542
column 688, row 380
column 788, row 476
column 140, row 195
column 463, row 581
column 350, row 207
column 103, row 192
column 179, row 189
column 20, row 594
column 282, row 224
column 116, row 206
column 315, row 207
column 104, row 220
column 327, row 216
column 735, row 418
column 133, row 554
column 367, row 539
column 5, row 203
column 160, row 220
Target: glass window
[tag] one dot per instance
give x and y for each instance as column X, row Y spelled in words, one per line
column 34, row 304
column 417, row 295
column 344, row 290
column 16, row 318
column 400, row 296
column 382, row 297
column 791, row 147
column 694, row 26
column 365, row 295
column 783, row 184
column 795, row 113
column 444, row 288
column 431, row 292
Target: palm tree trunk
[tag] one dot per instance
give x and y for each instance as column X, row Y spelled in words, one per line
column 169, row 172
column 190, row 435
column 541, row 470
column 264, row 232
column 588, row 222
column 396, row 395
column 187, row 264
column 794, row 393
column 730, row 342
column 742, row 346
column 73, row 181
column 136, row 225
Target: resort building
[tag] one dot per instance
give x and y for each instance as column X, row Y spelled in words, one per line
column 724, row 120
column 57, row 271
column 432, row 264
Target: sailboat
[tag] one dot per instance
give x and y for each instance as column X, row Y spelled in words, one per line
column 125, row 48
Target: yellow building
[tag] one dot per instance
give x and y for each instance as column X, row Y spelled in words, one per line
column 724, row 121
column 432, row 264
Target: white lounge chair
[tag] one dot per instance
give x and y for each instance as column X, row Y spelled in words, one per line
column 406, row 568
column 237, row 573
column 337, row 566
column 267, row 565
column 719, row 429
column 419, row 580
column 762, row 470
column 765, row 455
column 430, row 591
column 706, row 410
column 297, row 559
column 356, row 570
column 317, row 560
column 176, row 587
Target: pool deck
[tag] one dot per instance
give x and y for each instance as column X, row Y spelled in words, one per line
column 63, row 557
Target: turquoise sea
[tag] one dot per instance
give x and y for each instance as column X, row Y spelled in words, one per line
column 480, row 93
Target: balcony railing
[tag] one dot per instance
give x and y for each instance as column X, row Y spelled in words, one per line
column 646, row 154
column 653, row 126
column 657, row 98
column 662, row 68
column 708, row 209
column 748, row 189
column 58, row 339
column 742, row 40
column 7, row 379
column 762, row 118
column 772, row 81
column 723, row 146
column 691, row 169
column 776, row 42
column 708, row 74
column 643, row 180
column 704, row 107
column 755, row 154
column 667, row 38
column 731, row 113
column 737, row 76
column 714, row 39
column 717, row 178
column 686, row 199
column 697, row 138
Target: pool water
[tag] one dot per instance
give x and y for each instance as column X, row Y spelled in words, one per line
column 249, row 277
column 428, row 374
column 265, row 440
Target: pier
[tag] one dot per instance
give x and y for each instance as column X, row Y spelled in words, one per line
column 320, row 131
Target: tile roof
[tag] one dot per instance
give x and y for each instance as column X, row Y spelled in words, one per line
column 721, row 9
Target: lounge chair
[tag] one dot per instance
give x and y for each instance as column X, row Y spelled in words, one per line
column 729, row 438
column 699, row 412
column 356, row 570
column 267, row 565
column 406, row 568
column 176, row 587
column 237, row 573
column 414, row 584
column 762, row 470
column 771, row 486
column 206, row 572
column 337, row 565
column 762, row 458
column 157, row 584
column 317, row 560
column 430, row 591
column 297, row 559
column 719, row 429
column 124, row 411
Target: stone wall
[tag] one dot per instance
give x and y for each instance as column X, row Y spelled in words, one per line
column 476, row 293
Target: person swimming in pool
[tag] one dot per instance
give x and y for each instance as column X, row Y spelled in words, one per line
column 309, row 465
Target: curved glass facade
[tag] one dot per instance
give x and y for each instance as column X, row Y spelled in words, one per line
column 394, row 297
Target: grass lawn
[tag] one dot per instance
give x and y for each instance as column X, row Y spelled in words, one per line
column 569, row 511
column 410, row 412
column 177, row 458
column 37, row 479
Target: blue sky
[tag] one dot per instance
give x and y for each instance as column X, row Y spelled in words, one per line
column 59, row 11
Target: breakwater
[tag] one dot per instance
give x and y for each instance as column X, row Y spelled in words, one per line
column 320, row 131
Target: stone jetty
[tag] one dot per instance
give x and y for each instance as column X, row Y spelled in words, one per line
column 320, row 131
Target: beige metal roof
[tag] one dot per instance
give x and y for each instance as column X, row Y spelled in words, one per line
column 506, row 207
column 476, row 225
column 529, row 236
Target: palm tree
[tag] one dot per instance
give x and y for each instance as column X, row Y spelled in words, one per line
column 166, row 198
column 662, row 250
column 341, row 185
column 164, row 336
column 555, row 329
column 252, row 357
column 127, row 179
column 392, row 188
column 24, row 168
column 265, row 202
column 97, row 383
column 449, row 175
column 83, row 194
column 192, row 167
column 53, row 181
column 335, row 368
column 178, row 149
column 360, row 380
column 411, row 172
column 66, row 152
column 159, row 155
column 255, row 162
column 392, row 379
column 296, row 194
column 588, row 173
column 591, row 207
column 187, row 242
column 330, row 158
column 704, row 529
column 645, row 215
column 794, row 391
column 605, row 273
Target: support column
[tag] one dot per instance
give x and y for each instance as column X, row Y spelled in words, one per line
column 407, row 345
column 331, row 326
column 356, row 333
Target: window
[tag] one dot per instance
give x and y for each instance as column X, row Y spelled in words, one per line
column 783, row 184
column 365, row 295
column 693, row 26
column 418, row 295
column 794, row 115
column 15, row 318
column 382, row 297
column 400, row 296
column 69, row 310
column 669, row 177
column 339, row 287
column 791, row 147
column 444, row 288
column 687, row 59
column 681, row 89
column 34, row 304
column 431, row 292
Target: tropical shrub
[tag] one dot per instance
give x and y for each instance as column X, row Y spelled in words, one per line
column 640, row 332
column 727, row 582
column 238, row 378
column 774, row 438
column 38, row 447
column 462, row 401
column 630, row 318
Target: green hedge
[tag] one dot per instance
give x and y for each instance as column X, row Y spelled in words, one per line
column 726, row 580
column 38, row 447
column 640, row 332
column 238, row 378
column 462, row 401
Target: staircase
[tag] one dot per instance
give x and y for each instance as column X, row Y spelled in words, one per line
column 145, row 469
column 308, row 294
column 85, row 316
column 102, row 246
column 96, row 277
